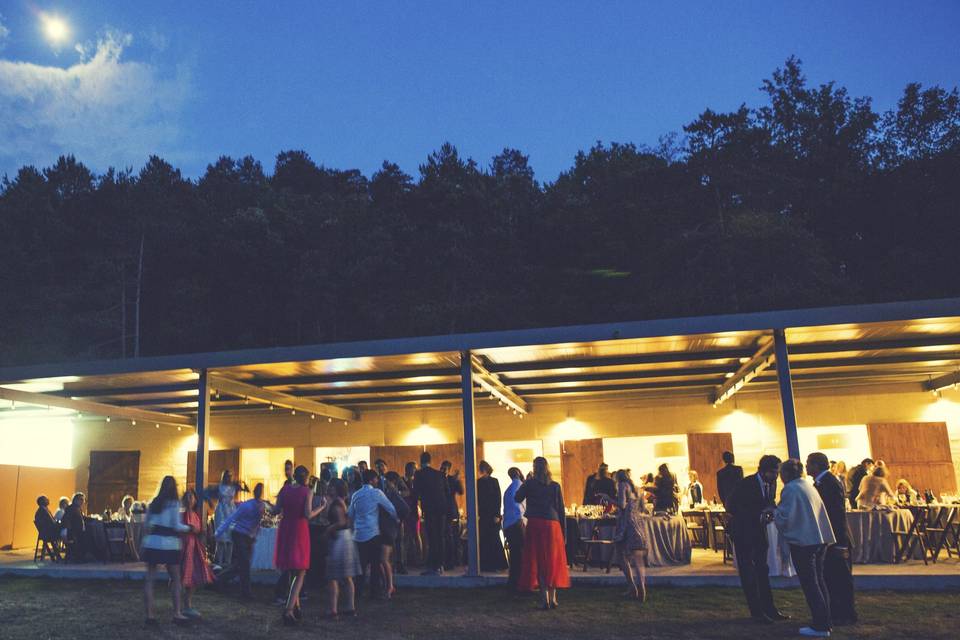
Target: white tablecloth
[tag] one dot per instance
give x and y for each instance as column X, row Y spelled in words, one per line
column 871, row 540
column 778, row 554
column 263, row 550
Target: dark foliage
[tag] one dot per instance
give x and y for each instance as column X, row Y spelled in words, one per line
column 811, row 199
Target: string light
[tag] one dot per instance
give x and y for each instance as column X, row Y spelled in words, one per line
column 108, row 418
column 345, row 423
column 329, row 419
column 179, row 428
column 271, row 406
column 157, row 425
column 133, row 423
column 313, row 416
column 246, row 400
column 293, row 412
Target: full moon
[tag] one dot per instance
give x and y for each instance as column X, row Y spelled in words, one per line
column 55, row 28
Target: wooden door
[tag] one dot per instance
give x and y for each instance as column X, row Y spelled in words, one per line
column 217, row 462
column 704, row 451
column 578, row 459
column 113, row 474
column 917, row 451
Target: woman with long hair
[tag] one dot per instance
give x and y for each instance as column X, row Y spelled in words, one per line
column 412, row 550
column 343, row 565
column 161, row 545
column 667, row 491
column 194, row 568
column 226, row 496
column 292, row 550
column 544, row 549
column 629, row 535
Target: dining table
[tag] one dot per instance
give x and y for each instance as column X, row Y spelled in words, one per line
column 262, row 558
column 871, row 534
column 668, row 542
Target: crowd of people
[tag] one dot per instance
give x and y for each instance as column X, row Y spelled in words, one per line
column 351, row 533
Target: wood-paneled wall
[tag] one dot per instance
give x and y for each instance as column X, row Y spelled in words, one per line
column 578, row 459
column 704, row 450
column 917, row 451
column 396, row 457
column 217, row 462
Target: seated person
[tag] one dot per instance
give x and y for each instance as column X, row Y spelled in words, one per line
column 47, row 527
column 124, row 512
column 64, row 503
column 874, row 489
column 906, row 494
column 75, row 526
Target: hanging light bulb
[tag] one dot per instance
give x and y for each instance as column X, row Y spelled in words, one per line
column 329, row 419
column 157, row 425
column 108, row 418
column 293, row 412
column 80, row 415
column 179, row 428
column 345, row 423
column 246, row 400
column 313, row 416
column 133, row 423
column 271, row 406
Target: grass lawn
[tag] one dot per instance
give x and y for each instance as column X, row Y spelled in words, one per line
column 44, row 608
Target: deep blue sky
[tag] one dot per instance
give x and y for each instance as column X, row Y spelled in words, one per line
column 357, row 84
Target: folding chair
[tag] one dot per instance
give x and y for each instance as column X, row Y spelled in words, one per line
column 596, row 542
column 45, row 547
column 116, row 541
column 906, row 540
column 697, row 528
column 941, row 531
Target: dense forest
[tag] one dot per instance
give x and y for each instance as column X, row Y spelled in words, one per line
column 813, row 198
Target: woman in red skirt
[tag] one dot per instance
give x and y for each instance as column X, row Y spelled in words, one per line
column 292, row 550
column 194, row 568
column 544, row 550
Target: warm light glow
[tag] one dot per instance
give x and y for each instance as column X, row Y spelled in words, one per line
column 40, row 441
column 425, row 435
column 572, row 429
column 55, row 28
column 851, row 442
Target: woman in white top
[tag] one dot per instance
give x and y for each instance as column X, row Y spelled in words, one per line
column 161, row 545
column 124, row 513
column 694, row 491
column 226, row 492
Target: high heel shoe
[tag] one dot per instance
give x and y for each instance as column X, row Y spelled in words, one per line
column 298, row 613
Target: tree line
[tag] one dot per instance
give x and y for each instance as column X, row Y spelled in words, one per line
column 812, row 198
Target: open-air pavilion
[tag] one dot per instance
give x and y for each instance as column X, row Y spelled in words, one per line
column 855, row 381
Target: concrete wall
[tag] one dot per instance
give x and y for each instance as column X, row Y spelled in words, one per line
column 19, row 489
column 754, row 420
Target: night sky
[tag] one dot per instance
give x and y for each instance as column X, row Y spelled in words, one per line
column 356, row 83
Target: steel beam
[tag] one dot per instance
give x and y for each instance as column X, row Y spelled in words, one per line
column 786, row 393
column 747, row 372
column 467, row 367
column 203, row 439
column 94, row 408
column 278, row 398
column 942, row 382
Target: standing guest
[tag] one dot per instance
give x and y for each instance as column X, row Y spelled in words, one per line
column 649, row 488
column 63, row 504
column 666, row 494
column 803, row 522
column 629, row 536
column 857, row 474
column 750, row 508
column 432, row 490
column 194, row 568
column 694, row 490
column 316, row 574
column 76, row 528
column 840, row 471
column 292, row 550
column 226, row 495
column 837, row 573
column 342, row 563
column 47, row 527
column 451, row 544
column 544, row 546
column 243, row 526
column 125, row 512
column 599, row 486
column 364, row 512
column 161, row 545
column 390, row 530
column 489, row 499
column 513, row 525
column 875, row 490
column 411, row 548
column 288, row 473
column 281, row 590
column 728, row 477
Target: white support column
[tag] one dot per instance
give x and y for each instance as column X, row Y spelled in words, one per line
column 203, row 438
column 470, row 463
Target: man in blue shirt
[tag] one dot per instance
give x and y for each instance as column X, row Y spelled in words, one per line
column 364, row 512
column 244, row 525
column 513, row 525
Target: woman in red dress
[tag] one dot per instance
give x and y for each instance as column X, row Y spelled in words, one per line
column 292, row 550
column 194, row 568
column 544, row 550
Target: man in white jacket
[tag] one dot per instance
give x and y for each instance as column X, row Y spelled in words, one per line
column 803, row 522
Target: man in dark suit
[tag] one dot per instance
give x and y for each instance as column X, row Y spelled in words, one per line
column 857, row 474
column 433, row 491
column 751, row 507
column 836, row 565
column 599, row 484
column 728, row 477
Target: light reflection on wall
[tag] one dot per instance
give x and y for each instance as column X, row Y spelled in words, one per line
column 572, row 429
column 37, row 441
column 847, row 443
column 424, row 435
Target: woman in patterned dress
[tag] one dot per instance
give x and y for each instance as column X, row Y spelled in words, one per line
column 629, row 536
column 226, row 492
column 194, row 568
column 343, row 564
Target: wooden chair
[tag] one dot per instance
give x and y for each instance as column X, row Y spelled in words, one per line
column 595, row 541
column 47, row 546
column 906, row 540
column 117, row 545
column 721, row 541
column 941, row 532
column 698, row 529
